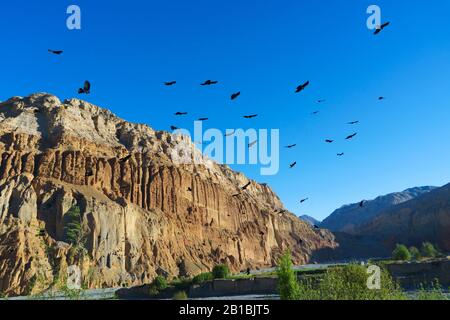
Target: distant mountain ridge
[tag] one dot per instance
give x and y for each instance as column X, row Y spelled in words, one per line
column 349, row 217
column 310, row 220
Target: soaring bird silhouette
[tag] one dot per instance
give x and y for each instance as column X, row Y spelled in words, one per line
column 291, row 146
column 315, row 112
column 235, row 95
column 252, row 143
column 86, row 88
column 57, row 52
column 181, row 113
column 380, row 28
column 354, row 122
column 173, row 128
column 321, row 100
column 170, row 83
column 202, row 119
column 302, row 87
column 293, row 164
column 381, row 98
column 340, row 154
column 251, row 116
column 209, row 82
column 304, row 200
column 246, row 186
column 329, row 141
column 351, row 136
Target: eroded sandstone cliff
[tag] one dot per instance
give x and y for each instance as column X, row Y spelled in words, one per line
column 143, row 215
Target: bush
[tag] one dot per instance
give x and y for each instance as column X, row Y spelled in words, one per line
column 180, row 295
column 349, row 283
column 434, row 293
column 221, row 271
column 288, row 286
column 202, row 277
column 428, row 250
column 415, row 253
column 401, row 253
column 157, row 285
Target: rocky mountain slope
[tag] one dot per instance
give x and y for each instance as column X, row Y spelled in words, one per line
column 310, row 220
column 425, row 218
column 350, row 217
column 142, row 214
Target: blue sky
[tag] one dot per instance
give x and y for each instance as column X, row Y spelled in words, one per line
column 263, row 49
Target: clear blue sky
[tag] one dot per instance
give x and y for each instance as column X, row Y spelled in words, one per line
column 264, row 49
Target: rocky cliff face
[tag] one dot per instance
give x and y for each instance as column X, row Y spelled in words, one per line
column 142, row 213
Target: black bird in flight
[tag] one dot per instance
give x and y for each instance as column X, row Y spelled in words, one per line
column 230, row 133
column 173, row 128
column 361, row 204
column 170, row 83
column 125, row 159
column 181, row 113
column 302, row 87
column 209, row 82
column 202, row 119
column 315, row 112
column 351, row 136
column 235, row 95
column 340, row 154
column 246, row 186
column 380, row 28
column 303, row 200
column 321, row 100
column 252, row 143
column 86, row 88
column 329, row 141
column 291, row 146
column 354, row 122
column 57, row 52
column 381, row 98
column 251, row 116
column 293, row 165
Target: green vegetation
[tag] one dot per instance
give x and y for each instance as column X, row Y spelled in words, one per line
column 435, row 293
column 415, row 253
column 158, row 285
column 401, row 253
column 202, row 277
column 75, row 233
column 288, row 285
column 221, row 271
column 180, row 295
column 428, row 250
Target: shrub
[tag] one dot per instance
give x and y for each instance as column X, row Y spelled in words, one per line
column 180, row 295
column 288, row 286
column 221, row 271
column 415, row 253
column 349, row 283
column 157, row 285
column 202, row 277
column 434, row 293
column 73, row 226
column 401, row 253
column 428, row 250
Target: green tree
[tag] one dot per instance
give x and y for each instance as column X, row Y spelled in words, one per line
column 202, row 277
column 288, row 286
column 415, row 253
column 401, row 253
column 221, row 271
column 158, row 284
column 428, row 250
